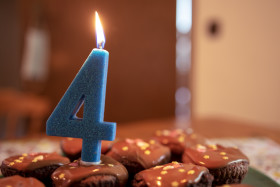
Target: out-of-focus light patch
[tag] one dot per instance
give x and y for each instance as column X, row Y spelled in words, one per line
column 183, row 55
column 183, row 95
column 182, row 113
column 183, row 45
column 183, row 65
column 183, row 62
column 184, row 16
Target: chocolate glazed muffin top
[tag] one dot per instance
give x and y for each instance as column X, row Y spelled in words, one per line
column 75, row 172
column 173, row 174
column 33, row 161
column 146, row 153
column 17, row 180
column 235, row 185
column 213, row 156
column 178, row 139
column 74, row 145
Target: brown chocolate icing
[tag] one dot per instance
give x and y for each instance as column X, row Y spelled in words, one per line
column 235, row 185
column 18, row 181
column 74, row 172
column 213, row 156
column 73, row 146
column 178, row 139
column 172, row 174
column 33, row 161
column 146, row 153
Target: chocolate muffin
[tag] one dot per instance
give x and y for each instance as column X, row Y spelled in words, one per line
column 137, row 154
column 18, row 181
column 228, row 165
column 72, row 147
column 174, row 174
column 235, row 185
column 108, row 173
column 177, row 140
column 37, row 165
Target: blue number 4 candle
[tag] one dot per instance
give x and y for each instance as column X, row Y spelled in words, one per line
column 88, row 88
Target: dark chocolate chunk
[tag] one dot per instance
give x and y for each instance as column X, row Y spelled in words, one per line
column 108, row 173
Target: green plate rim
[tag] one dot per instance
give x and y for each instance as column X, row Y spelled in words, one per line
column 256, row 178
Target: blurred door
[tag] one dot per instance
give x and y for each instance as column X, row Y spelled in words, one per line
column 236, row 60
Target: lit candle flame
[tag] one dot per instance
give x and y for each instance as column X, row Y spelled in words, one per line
column 100, row 38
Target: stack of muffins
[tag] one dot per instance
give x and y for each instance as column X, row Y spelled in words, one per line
column 170, row 158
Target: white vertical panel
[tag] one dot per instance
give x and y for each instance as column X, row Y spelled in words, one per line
column 183, row 61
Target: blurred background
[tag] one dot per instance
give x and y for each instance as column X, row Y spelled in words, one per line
column 168, row 59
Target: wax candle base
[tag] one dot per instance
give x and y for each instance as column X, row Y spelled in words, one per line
column 89, row 163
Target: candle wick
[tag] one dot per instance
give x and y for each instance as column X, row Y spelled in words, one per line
column 100, row 45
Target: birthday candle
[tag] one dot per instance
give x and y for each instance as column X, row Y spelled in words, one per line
column 88, row 88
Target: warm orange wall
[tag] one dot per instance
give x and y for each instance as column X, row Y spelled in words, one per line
column 9, row 44
column 140, row 36
column 236, row 73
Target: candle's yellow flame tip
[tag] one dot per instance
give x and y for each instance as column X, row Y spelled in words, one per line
column 100, row 38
